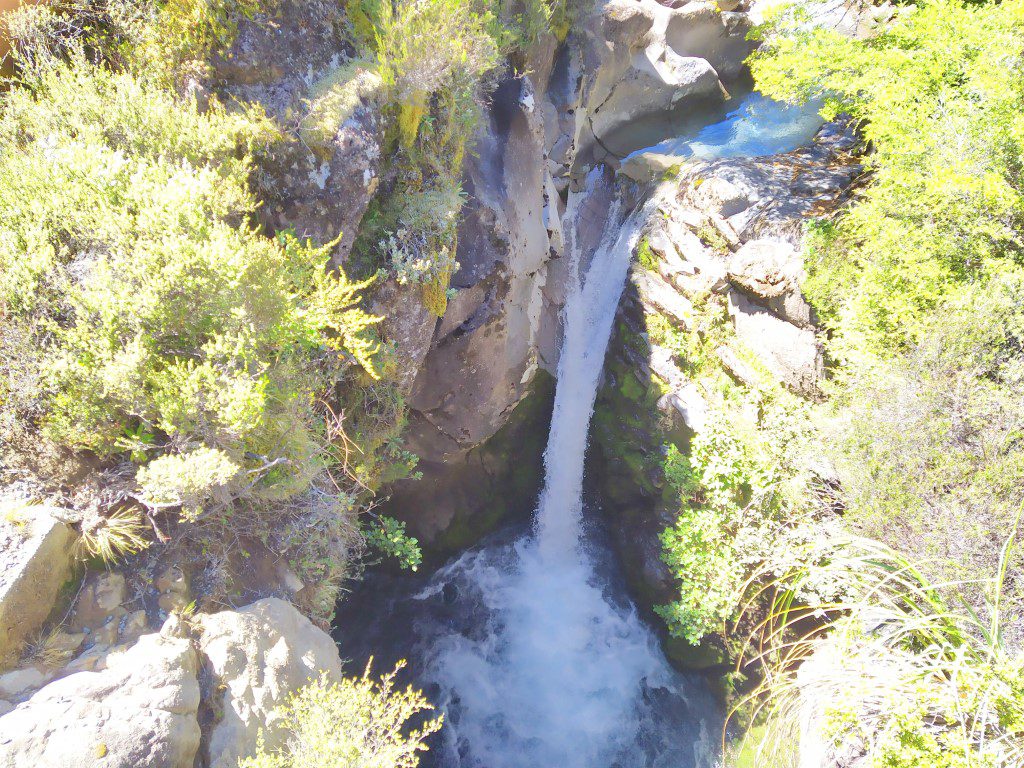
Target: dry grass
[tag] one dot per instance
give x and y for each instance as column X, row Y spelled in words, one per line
column 110, row 538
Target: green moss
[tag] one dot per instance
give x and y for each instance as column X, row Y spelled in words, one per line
column 707, row 655
column 646, row 256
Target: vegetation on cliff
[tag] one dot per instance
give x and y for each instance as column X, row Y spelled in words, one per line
column 903, row 612
column 168, row 364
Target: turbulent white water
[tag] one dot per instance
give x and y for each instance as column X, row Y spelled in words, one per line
column 561, row 676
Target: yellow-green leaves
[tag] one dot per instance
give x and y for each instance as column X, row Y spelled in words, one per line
column 153, row 321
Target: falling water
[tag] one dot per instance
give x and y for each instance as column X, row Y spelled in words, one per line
column 563, row 676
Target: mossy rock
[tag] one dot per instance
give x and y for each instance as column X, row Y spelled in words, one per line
column 708, row 655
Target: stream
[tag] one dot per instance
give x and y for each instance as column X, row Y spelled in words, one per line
column 529, row 642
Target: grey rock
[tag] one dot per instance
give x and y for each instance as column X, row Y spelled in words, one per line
column 36, row 558
column 767, row 269
column 259, row 655
column 793, row 355
column 138, row 712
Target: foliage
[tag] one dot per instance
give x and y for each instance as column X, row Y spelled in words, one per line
column 920, row 279
column 434, row 59
column 745, row 486
column 145, row 318
column 357, row 723
column 889, row 671
column 388, row 536
column 741, row 499
column 186, row 481
column 646, row 256
column 939, row 98
column 169, row 42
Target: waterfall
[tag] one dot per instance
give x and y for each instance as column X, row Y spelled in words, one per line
column 559, row 675
column 588, row 316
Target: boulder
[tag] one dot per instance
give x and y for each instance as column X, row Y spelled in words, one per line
column 285, row 60
column 767, row 269
column 721, row 197
column 259, row 655
column 654, row 84
column 137, row 712
column 659, row 295
column 793, row 355
column 36, row 558
column 702, row 29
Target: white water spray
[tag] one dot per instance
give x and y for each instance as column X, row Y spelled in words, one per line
column 560, row 677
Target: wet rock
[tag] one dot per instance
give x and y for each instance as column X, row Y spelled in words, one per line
column 138, row 712
column 36, row 558
column 474, row 493
column 259, row 655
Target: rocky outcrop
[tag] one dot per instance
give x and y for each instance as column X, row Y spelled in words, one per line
column 723, row 263
column 654, row 68
column 257, row 657
column 199, row 692
column 614, row 86
column 139, row 711
column 284, row 60
column 36, row 558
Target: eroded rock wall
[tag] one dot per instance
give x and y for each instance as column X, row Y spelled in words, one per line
column 623, row 77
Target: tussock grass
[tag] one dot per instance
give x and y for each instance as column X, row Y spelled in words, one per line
column 888, row 670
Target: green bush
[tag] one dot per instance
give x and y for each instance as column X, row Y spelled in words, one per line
column 890, row 672
column 920, row 280
column 146, row 320
column 938, row 98
column 358, row 723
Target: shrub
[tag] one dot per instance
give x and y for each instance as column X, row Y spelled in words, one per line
column 434, row 58
column 920, row 279
column 147, row 321
column 937, row 95
column 889, row 672
column 111, row 537
column 358, row 723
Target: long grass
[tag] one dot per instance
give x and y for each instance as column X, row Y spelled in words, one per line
column 888, row 670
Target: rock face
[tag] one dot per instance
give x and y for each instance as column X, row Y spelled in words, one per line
column 319, row 186
column 36, row 557
column 196, row 693
column 258, row 656
column 620, row 79
column 138, row 712
column 654, row 67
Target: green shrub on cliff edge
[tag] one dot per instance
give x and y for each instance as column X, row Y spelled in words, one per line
column 920, row 279
column 145, row 318
column 920, row 283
